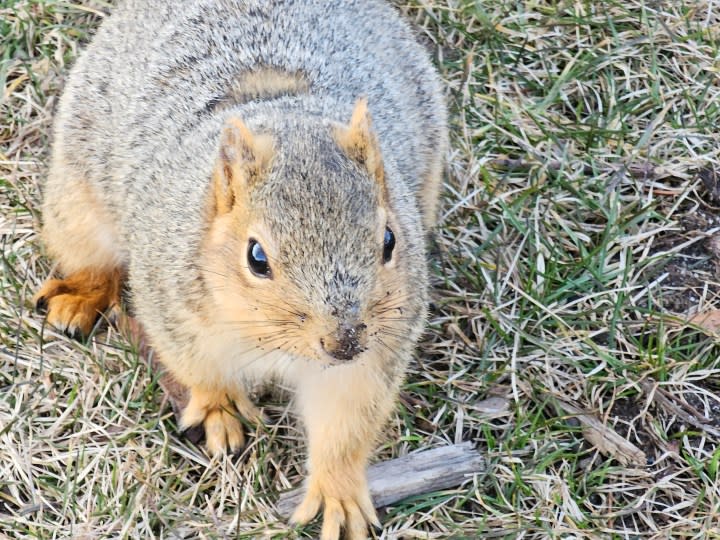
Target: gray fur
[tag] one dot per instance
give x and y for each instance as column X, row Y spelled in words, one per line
column 139, row 123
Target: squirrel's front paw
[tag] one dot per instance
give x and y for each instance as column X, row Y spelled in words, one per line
column 219, row 414
column 348, row 507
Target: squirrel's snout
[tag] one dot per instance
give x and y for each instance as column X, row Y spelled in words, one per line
column 345, row 343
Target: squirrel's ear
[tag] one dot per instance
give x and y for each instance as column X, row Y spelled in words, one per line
column 358, row 141
column 243, row 160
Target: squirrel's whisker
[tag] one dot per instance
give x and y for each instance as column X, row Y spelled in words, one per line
column 393, row 319
column 267, row 322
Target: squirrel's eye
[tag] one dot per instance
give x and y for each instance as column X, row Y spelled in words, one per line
column 389, row 245
column 258, row 260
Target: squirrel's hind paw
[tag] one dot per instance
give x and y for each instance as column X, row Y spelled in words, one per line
column 73, row 304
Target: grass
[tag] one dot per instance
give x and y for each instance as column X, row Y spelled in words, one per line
column 576, row 250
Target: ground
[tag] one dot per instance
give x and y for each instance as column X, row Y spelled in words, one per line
column 574, row 324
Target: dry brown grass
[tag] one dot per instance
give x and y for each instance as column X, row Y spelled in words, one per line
column 580, row 233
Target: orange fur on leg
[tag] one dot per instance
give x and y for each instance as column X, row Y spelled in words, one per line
column 74, row 303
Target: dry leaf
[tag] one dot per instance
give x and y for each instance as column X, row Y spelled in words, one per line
column 492, row 406
column 605, row 439
column 708, row 320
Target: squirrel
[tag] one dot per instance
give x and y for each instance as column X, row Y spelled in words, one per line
column 261, row 177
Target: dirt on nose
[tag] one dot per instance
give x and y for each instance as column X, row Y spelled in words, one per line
column 346, row 343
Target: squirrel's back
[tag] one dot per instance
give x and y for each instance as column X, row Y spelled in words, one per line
column 136, row 98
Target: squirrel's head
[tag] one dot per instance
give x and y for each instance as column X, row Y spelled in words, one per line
column 304, row 252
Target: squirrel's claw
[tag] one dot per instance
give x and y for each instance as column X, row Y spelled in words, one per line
column 334, row 519
column 308, row 508
column 194, row 434
column 41, row 304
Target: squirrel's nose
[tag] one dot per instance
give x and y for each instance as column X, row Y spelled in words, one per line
column 345, row 343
